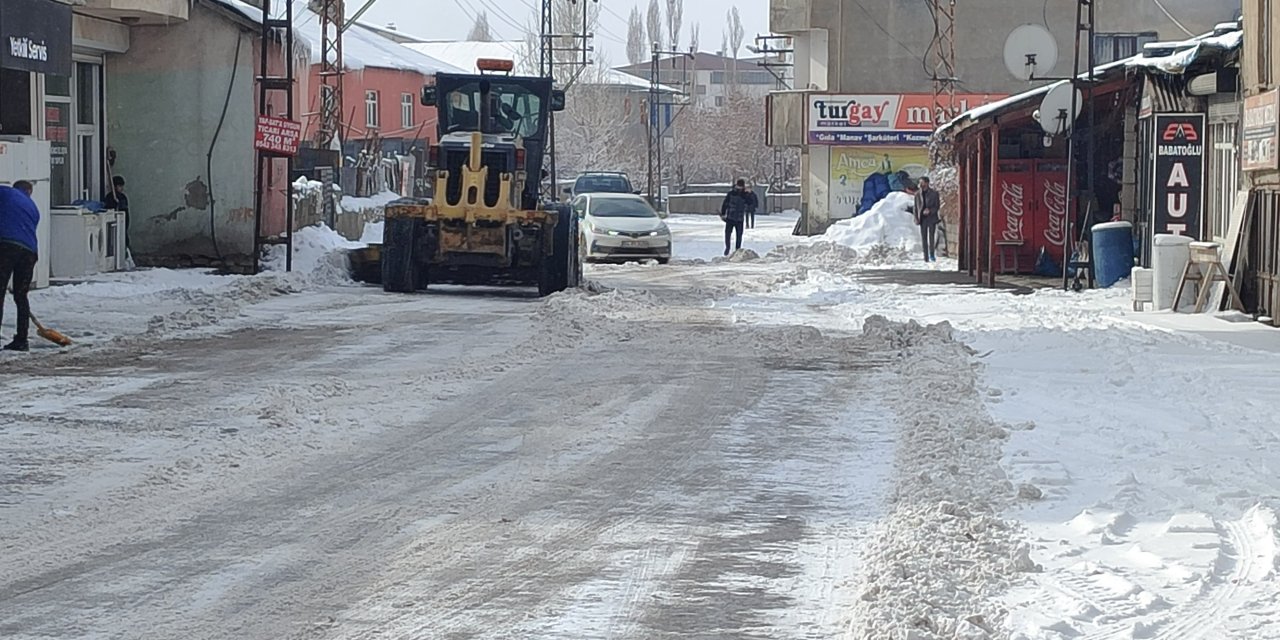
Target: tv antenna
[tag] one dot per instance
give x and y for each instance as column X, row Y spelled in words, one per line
column 1030, row 52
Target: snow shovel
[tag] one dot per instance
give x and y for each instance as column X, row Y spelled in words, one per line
column 50, row 334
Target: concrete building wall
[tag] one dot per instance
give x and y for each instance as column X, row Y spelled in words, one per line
column 1260, row 71
column 190, row 169
column 877, row 46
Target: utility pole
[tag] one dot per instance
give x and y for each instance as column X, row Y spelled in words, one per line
column 570, row 52
column 660, row 106
column 943, row 48
column 332, row 24
column 778, row 58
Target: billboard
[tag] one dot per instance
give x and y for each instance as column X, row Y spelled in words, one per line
column 904, row 119
column 277, row 136
column 852, row 166
column 1178, row 173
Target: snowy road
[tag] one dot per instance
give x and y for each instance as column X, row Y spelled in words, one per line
column 745, row 448
column 349, row 464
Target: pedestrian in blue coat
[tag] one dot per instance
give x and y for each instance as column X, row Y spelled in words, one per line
column 19, row 250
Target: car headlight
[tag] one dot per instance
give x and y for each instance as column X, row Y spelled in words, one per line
column 610, row 232
column 655, row 233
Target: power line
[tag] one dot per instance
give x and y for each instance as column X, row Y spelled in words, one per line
column 879, row 26
column 1170, row 16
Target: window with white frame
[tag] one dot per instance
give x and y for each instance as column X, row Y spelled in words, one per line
column 406, row 110
column 1224, row 176
column 371, row 110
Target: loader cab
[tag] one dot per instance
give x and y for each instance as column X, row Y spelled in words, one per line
column 510, row 112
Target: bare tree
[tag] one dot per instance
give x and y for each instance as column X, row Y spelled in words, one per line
column 480, row 30
column 734, row 35
column 636, row 46
column 655, row 25
column 675, row 16
column 694, row 37
column 727, row 142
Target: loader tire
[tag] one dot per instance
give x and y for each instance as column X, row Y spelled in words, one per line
column 399, row 269
column 559, row 269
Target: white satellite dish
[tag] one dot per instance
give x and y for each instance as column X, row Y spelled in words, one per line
column 1030, row 51
column 1056, row 115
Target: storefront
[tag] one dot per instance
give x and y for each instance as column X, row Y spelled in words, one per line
column 862, row 146
column 35, row 42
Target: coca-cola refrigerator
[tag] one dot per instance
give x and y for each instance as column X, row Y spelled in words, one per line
column 1030, row 206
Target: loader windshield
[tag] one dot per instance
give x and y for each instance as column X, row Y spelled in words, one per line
column 494, row 107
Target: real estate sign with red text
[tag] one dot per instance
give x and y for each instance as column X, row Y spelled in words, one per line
column 890, row 119
column 277, row 136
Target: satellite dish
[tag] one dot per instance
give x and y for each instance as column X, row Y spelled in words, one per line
column 1030, row 51
column 1056, row 115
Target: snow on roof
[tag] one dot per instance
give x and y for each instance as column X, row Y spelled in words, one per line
column 362, row 46
column 464, row 53
column 1189, row 52
column 1172, row 64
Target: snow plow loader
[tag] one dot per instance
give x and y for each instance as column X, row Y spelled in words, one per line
column 486, row 223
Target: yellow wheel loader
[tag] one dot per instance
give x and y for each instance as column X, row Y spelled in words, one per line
column 485, row 223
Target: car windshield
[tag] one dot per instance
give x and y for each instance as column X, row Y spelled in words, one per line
column 514, row 109
column 602, row 184
column 628, row 208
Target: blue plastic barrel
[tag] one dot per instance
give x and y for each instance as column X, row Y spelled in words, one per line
column 1112, row 252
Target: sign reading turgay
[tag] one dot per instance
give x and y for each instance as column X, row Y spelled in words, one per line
column 882, row 119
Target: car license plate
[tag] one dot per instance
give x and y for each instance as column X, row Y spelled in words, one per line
column 631, row 244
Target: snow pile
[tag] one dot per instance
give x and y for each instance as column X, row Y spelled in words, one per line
column 352, row 203
column 319, row 253
column 943, row 556
column 373, row 232
column 888, row 224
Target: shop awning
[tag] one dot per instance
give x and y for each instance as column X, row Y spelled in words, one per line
column 1187, row 54
column 35, row 35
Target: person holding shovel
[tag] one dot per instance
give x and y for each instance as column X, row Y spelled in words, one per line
column 18, row 252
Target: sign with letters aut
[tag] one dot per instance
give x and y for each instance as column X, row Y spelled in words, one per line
column 1178, row 176
column 35, row 35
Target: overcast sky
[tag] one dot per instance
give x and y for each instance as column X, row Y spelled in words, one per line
column 452, row 19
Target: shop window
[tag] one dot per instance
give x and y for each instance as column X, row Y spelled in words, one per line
column 1109, row 47
column 406, row 110
column 371, row 109
column 15, row 102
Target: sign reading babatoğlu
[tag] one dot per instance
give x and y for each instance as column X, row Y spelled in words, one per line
column 1179, row 173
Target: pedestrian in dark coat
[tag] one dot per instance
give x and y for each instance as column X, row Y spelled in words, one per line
column 927, row 216
column 733, row 211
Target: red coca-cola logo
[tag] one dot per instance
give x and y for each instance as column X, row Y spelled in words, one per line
column 1055, row 200
column 1014, row 203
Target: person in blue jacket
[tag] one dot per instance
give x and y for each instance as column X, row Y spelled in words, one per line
column 18, row 252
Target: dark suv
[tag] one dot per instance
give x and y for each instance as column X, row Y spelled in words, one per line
column 602, row 182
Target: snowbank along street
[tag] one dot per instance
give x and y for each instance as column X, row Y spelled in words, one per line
column 810, row 439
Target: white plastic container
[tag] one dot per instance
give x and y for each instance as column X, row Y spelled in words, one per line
column 1143, row 287
column 1169, row 256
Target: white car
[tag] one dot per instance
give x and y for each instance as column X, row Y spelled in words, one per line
column 621, row 227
